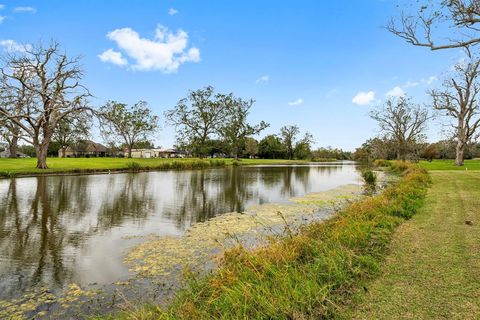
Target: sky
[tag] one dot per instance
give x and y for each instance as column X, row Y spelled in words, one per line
column 321, row 65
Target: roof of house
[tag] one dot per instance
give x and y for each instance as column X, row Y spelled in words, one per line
column 87, row 146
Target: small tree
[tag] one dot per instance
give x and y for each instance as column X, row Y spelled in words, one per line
column 402, row 122
column 130, row 125
column 197, row 118
column 251, row 147
column 235, row 129
column 289, row 135
column 40, row 87
column 458, row 101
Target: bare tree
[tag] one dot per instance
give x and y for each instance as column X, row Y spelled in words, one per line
column 131, row 125
column 45, row 84
column 458, row 100
column 460, row 18
column 402, row 122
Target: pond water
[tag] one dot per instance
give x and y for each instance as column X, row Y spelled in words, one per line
column 56, row 230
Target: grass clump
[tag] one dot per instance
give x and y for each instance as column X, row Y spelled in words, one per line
column 308, row 274
column 369, row 177
column 134, row 166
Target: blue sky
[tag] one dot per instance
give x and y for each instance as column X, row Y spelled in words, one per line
column 319, row 64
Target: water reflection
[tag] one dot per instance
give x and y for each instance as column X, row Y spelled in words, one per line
column 62, row 229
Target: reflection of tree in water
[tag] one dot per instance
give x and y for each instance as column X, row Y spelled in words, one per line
column 42, row 228
column 130, row 199
column 33, row 238
column 202, row 194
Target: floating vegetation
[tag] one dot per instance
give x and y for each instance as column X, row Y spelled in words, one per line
column 169, row 255
column 40, row 302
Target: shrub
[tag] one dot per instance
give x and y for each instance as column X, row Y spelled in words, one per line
column 369, row 177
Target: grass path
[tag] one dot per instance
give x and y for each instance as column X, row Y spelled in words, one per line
column 433, row 270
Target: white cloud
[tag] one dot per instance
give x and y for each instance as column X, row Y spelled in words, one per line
column 166, row 52
column 429, row 80
column 2, row 18
column 297, row 102
column 2, row 6
column 263, row 79
column 13, row 46
column 364, row 98
column 113, row 57
column 172, row 11
column 25, row 10
column 396, row 92
column 411, row 84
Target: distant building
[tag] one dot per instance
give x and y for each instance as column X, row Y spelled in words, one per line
column 5, row 152
column 156, row 153
column 84, row 149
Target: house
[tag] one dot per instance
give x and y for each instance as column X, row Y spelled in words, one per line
column 5, row 152
column 86, row 149
column 156, row 153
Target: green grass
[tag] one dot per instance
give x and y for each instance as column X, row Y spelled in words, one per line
column 433, row 270
column 25, row 166
column 450, row 165
column 306, row 275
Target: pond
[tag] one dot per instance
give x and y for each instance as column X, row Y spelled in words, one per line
column 57, row 230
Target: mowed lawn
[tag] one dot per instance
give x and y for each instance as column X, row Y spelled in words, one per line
column 433, row 270
column 27, row 165
column 450, row 165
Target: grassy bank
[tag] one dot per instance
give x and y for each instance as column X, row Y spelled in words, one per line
column 433, row 270
column 26, row 166
column 450, row 165
column 304, row 275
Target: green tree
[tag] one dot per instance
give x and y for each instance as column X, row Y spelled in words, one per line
column 289, row 136
column 235, row 129
column 251, row 147
column 303, row 148
column 197, row 119
column 128, row 124
column 70, row 130
column 271, row 147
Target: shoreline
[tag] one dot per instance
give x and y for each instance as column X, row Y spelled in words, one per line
column 163, row 165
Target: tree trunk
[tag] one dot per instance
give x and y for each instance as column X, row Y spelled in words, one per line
column 130, row 152
column 13, row 146
column 459, row 153
column 41, row 152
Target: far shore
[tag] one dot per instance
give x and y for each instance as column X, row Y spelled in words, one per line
column 25, row 167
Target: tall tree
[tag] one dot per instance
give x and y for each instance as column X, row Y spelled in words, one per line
column 197, row 118
column 289, row 136
column 440, row 25
column 128, row 124
column 235, row 128
column 402, row 122
column 303, row 148
column 458, row 100
column 43, row 87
